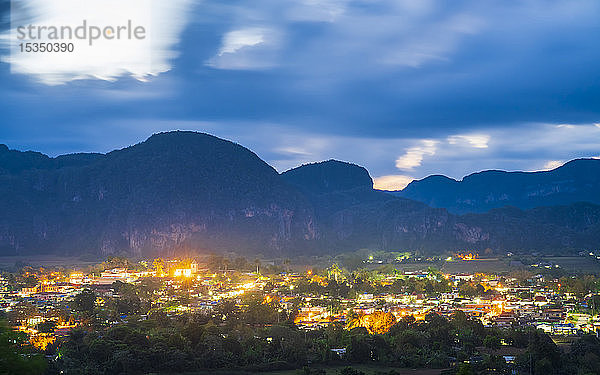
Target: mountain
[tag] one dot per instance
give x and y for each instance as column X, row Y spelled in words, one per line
column 14, row 162
column 181, row 191
column 173, row 189
column 351, row 216
column 576, row 181
column 329, row 176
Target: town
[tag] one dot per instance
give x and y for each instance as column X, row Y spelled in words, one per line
column 46, row 305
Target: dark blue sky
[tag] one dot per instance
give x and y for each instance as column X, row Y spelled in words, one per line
column 405, row 88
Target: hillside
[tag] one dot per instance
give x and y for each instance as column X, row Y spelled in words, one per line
column 576, row 181
column 175, row 188
column 354, row 216
column 181, row 191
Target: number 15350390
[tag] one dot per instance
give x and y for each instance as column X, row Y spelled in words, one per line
column 46, row 47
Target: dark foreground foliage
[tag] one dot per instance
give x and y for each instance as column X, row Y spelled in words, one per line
column 16, row 357
column 194, row 342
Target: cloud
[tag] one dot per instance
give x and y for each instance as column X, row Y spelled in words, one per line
column 436, row 43
column 392, row 182
column 238, row 39
column 101, row 58
column 529, row 147
column 247, row 49
column 316, row 10
column 414, row 155
column 474, row 140
column 552, row 164
column 363, row 81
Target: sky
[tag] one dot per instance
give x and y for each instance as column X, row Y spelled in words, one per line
column 405, row 88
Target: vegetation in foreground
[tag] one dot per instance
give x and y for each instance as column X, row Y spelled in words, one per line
column 252, row 341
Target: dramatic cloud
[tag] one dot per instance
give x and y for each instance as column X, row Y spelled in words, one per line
column 527, row 147
column 403, row 87
column 414, row 155
column 104, row 51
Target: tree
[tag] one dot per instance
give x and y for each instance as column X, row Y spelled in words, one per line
column 21, row 312
column 464, row 369
column 467, row 289
column 257, row 264
column 594, row 303
column 585, row 354
column 335, row 272
column 47, row 326
column 544, row 366
column 380, row 322
column 15, row 358
column 356, row 319
column 350, row 371
column 359, row 349
column 226, row 310
column 260, row 310
column 147, row 287
column 522, row 277
column 491, row 342
column 128, row 300
column 85, row 301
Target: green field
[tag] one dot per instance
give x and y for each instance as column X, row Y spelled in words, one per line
column 494, row 265
column 572, row 264
column 329, row 370
column 46, row 261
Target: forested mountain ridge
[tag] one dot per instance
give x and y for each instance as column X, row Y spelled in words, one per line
column 576, row 181
column 184, row 190
column 173, row 188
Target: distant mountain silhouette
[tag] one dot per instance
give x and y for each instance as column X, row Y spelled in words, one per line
column 175, row 188
column 13, row 162
column 576, row 181
column 178, row 191
column 357, row 216
column 329, row 176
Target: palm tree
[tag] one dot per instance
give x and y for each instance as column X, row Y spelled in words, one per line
column 335, row 271
column 257, row 263
column 356, row 319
